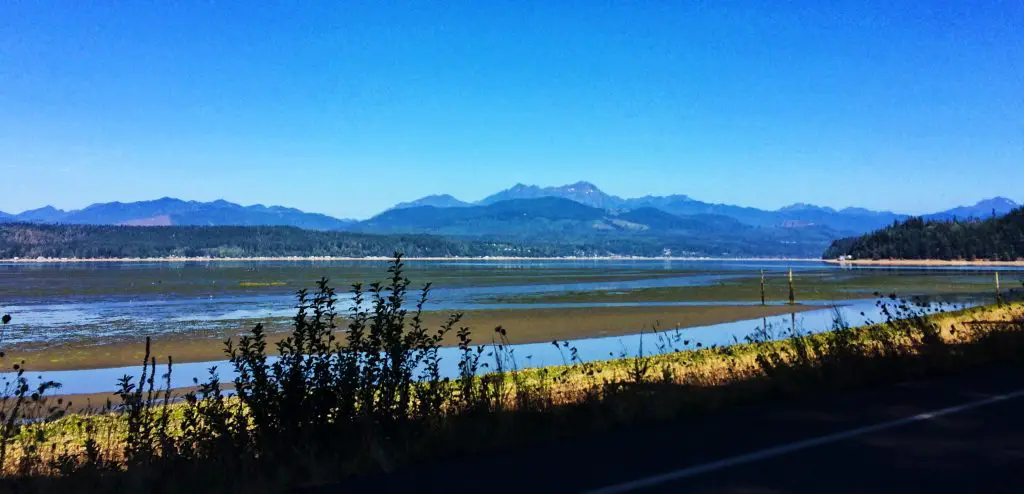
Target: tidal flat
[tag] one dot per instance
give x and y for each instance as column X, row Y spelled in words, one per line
column 181, row 279
column 522, row 326
column 814, row 286
column 97, row 315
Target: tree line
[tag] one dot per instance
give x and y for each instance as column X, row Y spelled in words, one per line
column 28, row 240
column 18, row 240
column 997, row 239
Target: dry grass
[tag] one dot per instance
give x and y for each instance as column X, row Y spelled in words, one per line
column 325, row 410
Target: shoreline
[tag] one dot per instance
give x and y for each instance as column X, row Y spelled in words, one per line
column 57, row 260
column 533, row 326
column 923, row 263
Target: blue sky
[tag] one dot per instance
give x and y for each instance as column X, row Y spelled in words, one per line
column 348, row 107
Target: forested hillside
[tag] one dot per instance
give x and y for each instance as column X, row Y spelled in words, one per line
column 1000, row 238
column 645, row 231
column 89, row 241
column 24, row 240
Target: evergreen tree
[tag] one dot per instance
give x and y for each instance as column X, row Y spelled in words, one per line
column 997, row 239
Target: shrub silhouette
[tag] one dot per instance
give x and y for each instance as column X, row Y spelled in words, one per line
column 364, row 393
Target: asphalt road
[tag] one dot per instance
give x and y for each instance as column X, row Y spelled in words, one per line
column 963, row 434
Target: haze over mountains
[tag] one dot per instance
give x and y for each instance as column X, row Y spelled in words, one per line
column 795, row 215
column 996, row 206
column 169, row 211
column 578, row 213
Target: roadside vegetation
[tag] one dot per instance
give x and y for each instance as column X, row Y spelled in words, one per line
column 360, row 391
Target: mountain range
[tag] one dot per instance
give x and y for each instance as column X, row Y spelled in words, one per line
column 996, row 206
column 642, row 231
column 578, row 213
column 796, row 215
column 169, row 211
column 581, row 213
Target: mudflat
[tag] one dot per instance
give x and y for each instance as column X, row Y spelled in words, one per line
column 522, row 326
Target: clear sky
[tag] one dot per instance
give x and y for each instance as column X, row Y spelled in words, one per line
column 348, row 107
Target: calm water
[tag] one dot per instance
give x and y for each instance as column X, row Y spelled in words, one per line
column 532, row 354
column 53, row 303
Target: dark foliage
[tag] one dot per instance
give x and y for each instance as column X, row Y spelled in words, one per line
column 997, row 238
column 538, row 238
column 92, row 241
column 371, row 399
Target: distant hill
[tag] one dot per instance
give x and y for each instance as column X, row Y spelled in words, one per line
column 504, row 217
column 997, row 238
column 657, row 219
column 169, row 211
column 24, row 240
column 984, row 209
column 846, row 221
column 48, row 214
column 641, row 231
column 581, row 192
column 855, row 221
column 578, row 214
column 437, row 201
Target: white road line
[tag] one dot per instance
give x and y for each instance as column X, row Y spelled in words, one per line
column 655, row 480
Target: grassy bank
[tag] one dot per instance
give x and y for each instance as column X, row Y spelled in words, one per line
column 326, row 411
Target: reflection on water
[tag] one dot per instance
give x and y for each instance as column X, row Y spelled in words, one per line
column 526, row 355
column 63, row 321
column 97, row 303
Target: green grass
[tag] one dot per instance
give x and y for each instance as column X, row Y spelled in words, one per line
column 713, row 378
